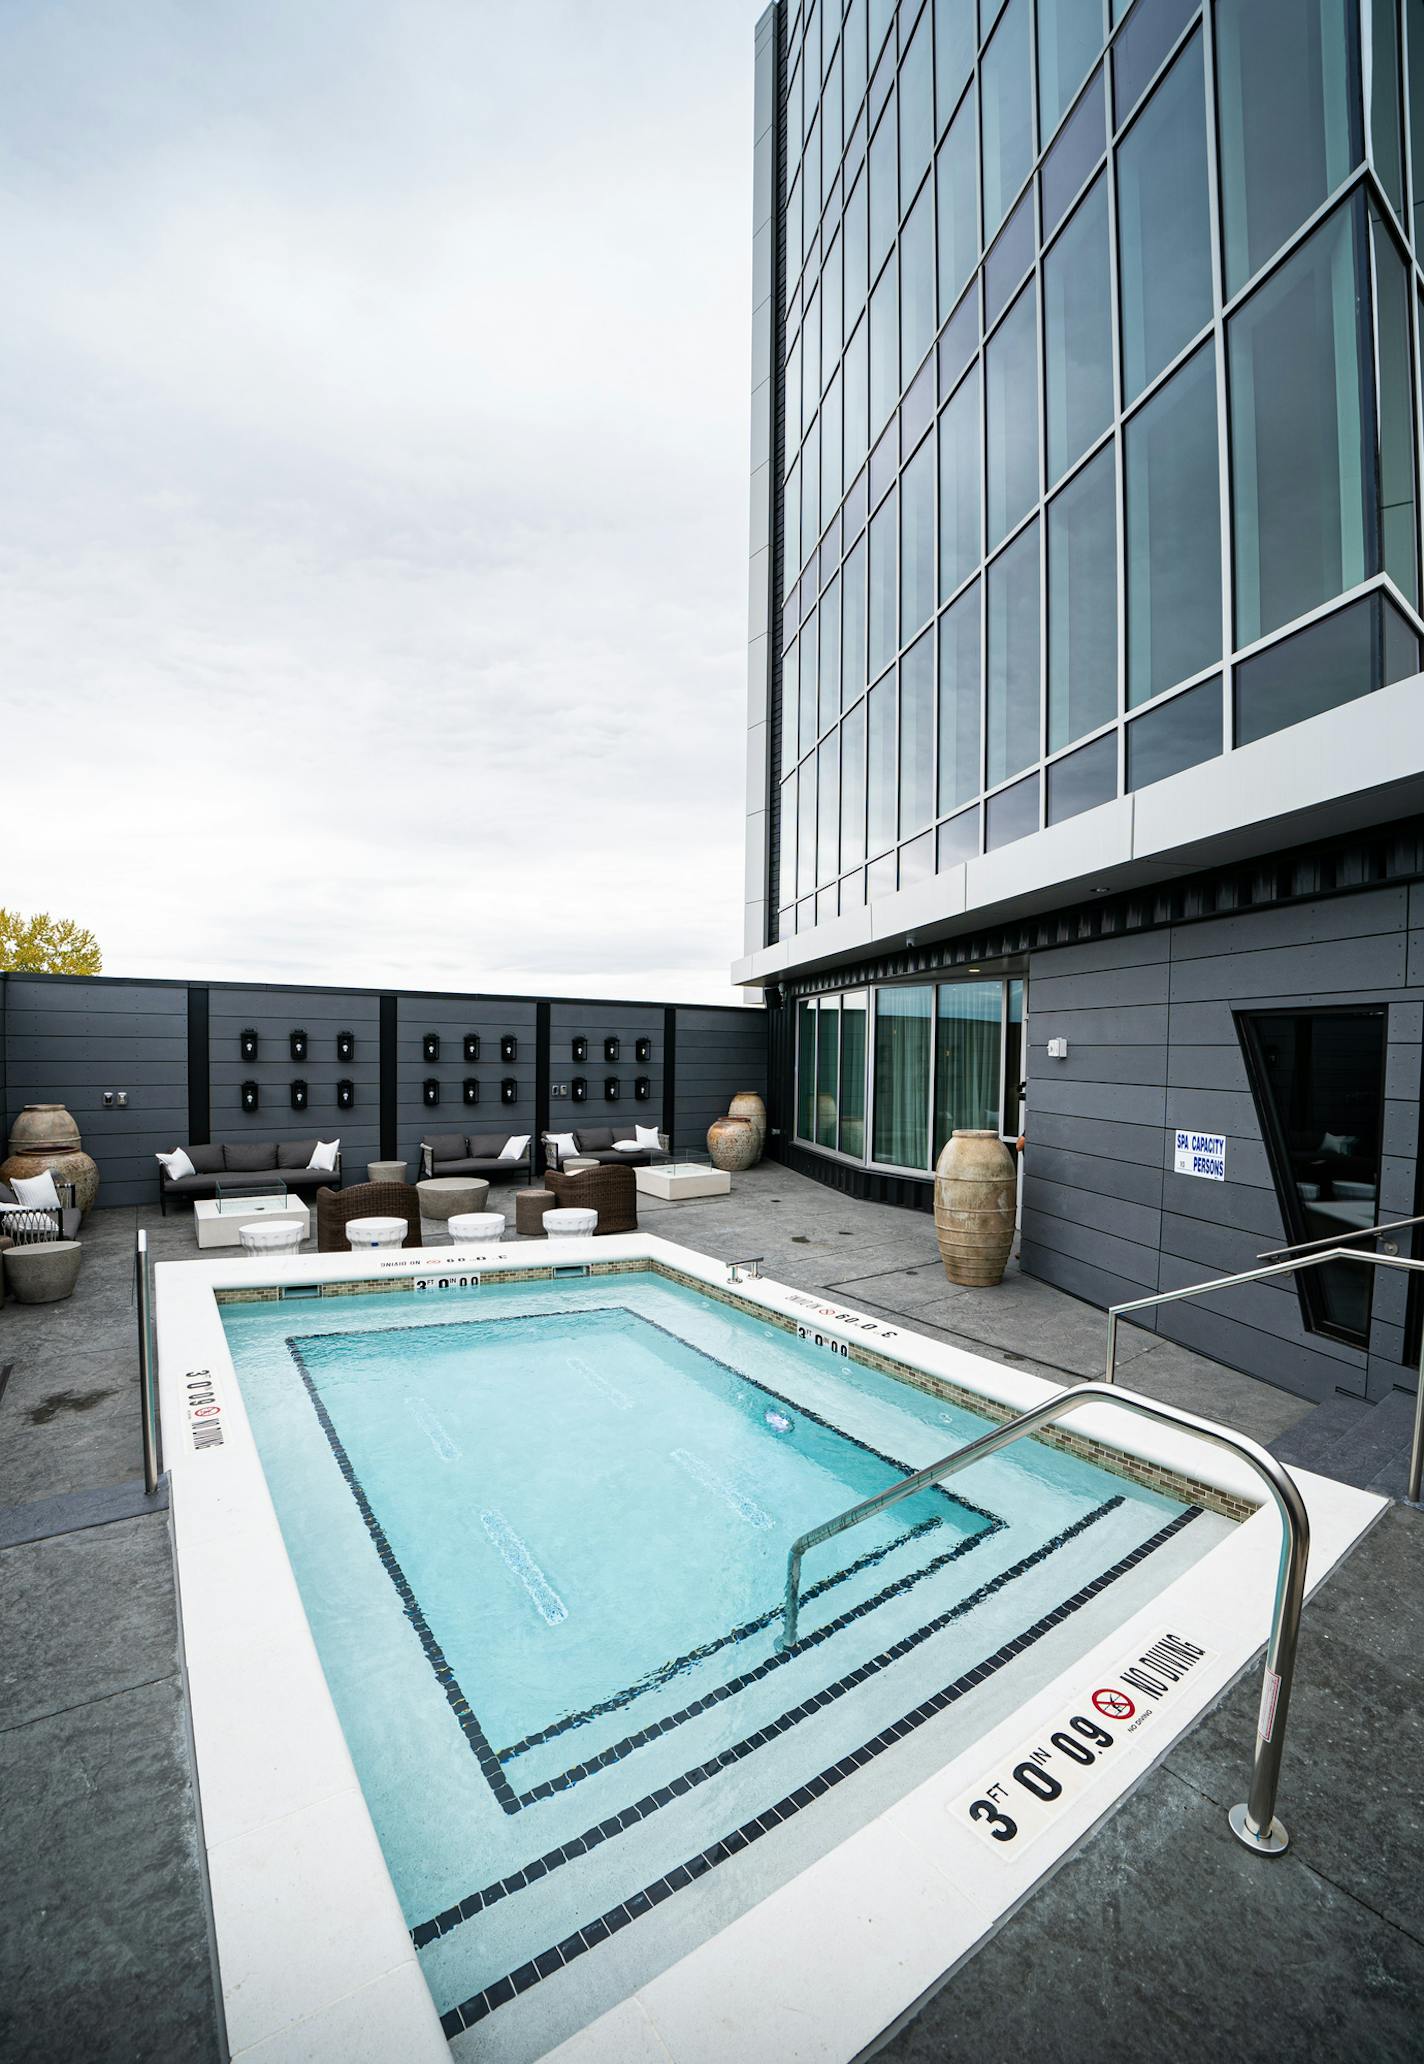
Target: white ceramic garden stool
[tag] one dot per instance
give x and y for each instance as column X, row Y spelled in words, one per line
column 477, row 1225
column 376, row 1232
column 569, row 1224
column 272, row 1236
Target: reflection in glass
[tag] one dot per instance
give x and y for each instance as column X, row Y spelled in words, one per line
column 957, row 184
column 828, row 1058
column 959, row 462
column 1173, row 519
column 1011, row 814
column 853, row 787
column 954, row 53
column 957, row 840
column 1164, row 226
column 967, row 1032
column 917, row 860
column 853, row 1056
column 1077, row 321
column 880, row 766
column 1070, row 35
column 1082, row 603
column 1013, row 698
column 917, row 581
column 959, row 773
column 882, row 586
column 1360, row 648
column 1073, row 156
column 1083, row 779
column 903, row 1018
column 1005, row 72
column 1179, row 734
column 1011, row 382
column 806, row 1071
column 917, row 765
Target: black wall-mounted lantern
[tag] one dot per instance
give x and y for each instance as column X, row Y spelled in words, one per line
column 642, row 1049
column 430, row 1091
column 472, row 1046
column 471, row 1090
column 509, row 1090
column 297, row 1043
column 247, row 1044
column 642, row 1088
column 250, row 1098
column 346, row 1046
column 430, row 1046
column 345, row 1094
column 610, row 1090
column 610, row 1049
column 578, row 1090
column 580, row 1048
column 508, row 1047
column 298, row 1094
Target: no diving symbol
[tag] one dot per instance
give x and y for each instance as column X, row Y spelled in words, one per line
column 1114, row 1705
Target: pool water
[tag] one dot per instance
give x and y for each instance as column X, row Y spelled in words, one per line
column 540, row 1532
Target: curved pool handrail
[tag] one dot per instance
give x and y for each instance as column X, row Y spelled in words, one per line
column 1255, row 1821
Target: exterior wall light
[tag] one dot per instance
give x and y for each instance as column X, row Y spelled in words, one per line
column 610, row 1049
column 345, row 1094
column 430, row 1047
column 297, row 1042
column 509, row 1090
column 508, row 1047
column 578, row 1090
column 580, row 1048
column 298, row 1093
column 642, row 1049
column 642, row 1088
column 250, row 1097
column 346, row 1046
column 471, row 1090
column 430, row 1091
column 472, row 1046
column 610, row 1090
column 247, row 1044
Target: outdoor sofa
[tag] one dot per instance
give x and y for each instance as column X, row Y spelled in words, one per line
column 248, row 1165
column 476, row 1153
column 600, row 1143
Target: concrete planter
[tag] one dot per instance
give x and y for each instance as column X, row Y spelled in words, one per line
column 44, row 1136
column 747, row 1104
column 732, row 1143
column 974, row 1208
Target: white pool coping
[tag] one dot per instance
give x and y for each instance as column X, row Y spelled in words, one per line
column 315, row 1958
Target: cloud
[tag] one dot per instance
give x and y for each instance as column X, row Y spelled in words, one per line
column 373, row 527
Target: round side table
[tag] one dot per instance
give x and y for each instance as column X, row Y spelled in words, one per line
column 529, row 1209
column 577, row 1161
column 569, row 1224
column 376, row 1232
column 445, row 1196
column 277, row 1236
column 42, row 1271
column 477, row 1225
column 385, row 1171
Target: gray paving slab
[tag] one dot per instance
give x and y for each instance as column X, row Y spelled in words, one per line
column 69, row 1421
column 69, row 1512
column 84, row 1615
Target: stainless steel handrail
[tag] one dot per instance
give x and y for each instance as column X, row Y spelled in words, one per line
column 1390, row 1225
column 1254, row 1821
column 752, row 1262
column 1287, row 1268
column 147, row 1366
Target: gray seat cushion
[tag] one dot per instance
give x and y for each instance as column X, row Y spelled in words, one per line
column 206, row 1160
column 483, row 1164
column 592, row 1139
column 249, row 1156
column 618, row 1157
column 445, row 1146
column 486, row 1146
column 295, row 1153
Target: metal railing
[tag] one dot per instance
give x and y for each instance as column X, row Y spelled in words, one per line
column 1289, row 1268
column 1254, row 1822
column 752, row 1265
column 147, row 1366
column 1390, row 1225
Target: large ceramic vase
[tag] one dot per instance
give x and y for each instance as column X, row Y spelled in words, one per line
column 747, row 1104
column 44, row 1136
column 975, row 1189
column 732, row 1143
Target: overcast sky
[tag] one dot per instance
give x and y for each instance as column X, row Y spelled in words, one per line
column 373, row 512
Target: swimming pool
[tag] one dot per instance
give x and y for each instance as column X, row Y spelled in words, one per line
column 540, row 1531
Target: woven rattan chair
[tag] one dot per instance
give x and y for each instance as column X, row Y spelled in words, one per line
column 611, row 1192
column 335, row 1208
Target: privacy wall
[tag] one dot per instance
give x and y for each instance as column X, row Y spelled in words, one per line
column 215, row 1061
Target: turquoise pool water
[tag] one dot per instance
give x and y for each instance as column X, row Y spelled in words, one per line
column 540, row 1532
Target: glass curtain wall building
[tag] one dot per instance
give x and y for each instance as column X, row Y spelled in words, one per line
column 1087, row 362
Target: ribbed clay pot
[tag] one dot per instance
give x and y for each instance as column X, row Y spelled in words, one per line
column 732, row 1143
column 45, row 1136
column 975, row 1187
column 747, row 1104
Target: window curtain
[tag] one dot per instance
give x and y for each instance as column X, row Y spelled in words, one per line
column 903, row 1021
column 967, row 1059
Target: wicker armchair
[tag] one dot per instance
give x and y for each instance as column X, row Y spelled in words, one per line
column 336, row 1208
column 611, row 1192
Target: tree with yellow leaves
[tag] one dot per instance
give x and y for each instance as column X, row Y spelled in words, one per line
column 45, row 945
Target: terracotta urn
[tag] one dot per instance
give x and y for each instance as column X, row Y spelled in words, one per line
column 747, row 1104
column 732, row 1143
column 45, row 1136
column 975, row 1188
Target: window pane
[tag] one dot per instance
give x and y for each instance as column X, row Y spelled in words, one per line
column 959, row 459
column 1297, row 384
column 810, row 360
column 1077, row 322
column 810, row 494
column 810, row 693
column 857, row 261
column 853, row 625
column 1164, row 227
column 1386, row 138
column 1073, row 156
column 1318, row 1082
column 917, row 860
column 831, row 448
column 882, row 587
column 1070, row 35
column 917, row 582
column 853, row 787
column 1083, row 780
column 955, row 40
column 916, row 109
column 917, row 282
column 884, row 350
column 832, row 310
column 1182, row 733
column 1173, row 533
column 1013, row 657
column 790, row 706
column 957, row 180
column 805, row 1071
column 1328, row 663
column 1143, row 44
column 829, row 696
column 786, row 860
column 857, row 400
column 917, row 767
column 903, row 1018
column 880, row 766
column 1414, row 16
column 959, row 777
column 1004, row 75
column 1398, row 542
column 1288, row 87
column 884, row 190
column 829, row 808
column 806, row 830
column 967, row 1059
column 1011, row 385
column 1011, row 814
column 957, row 840
column 853, row 49
column 828, row 1057
column 1082, row 603
column 853, row 1053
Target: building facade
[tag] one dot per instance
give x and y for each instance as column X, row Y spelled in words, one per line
column 1086, row 720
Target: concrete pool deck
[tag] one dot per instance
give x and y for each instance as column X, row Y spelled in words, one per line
column 105, row 1943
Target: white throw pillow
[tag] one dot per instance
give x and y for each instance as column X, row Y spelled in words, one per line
column 514, row 1149
column 647, row 1136
column 324, row 1155
column 1337, row 1143
column 626, row 1146
column 561, row 1145
column 176, row 1164
column 34, row 1189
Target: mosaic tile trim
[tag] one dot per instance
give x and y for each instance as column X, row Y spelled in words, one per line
column 481, row 2004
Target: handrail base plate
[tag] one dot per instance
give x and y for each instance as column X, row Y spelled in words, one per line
column 1274, row 1841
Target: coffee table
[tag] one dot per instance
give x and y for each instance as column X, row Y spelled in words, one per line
column 687, row 1175
column 218, row 1221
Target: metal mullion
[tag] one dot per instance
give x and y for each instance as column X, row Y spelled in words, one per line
column 1116, row 134
column 1119, row 454
column 1224, row 477
column 1372, row 584
column 1361, row 175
